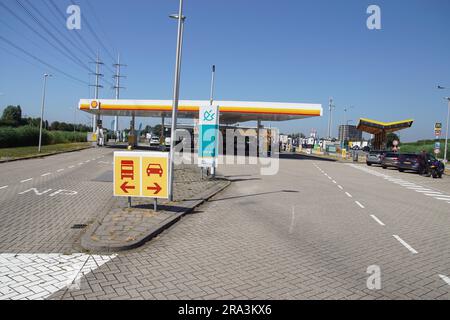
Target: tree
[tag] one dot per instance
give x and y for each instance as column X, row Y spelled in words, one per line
column 390, row 139
column 12, row 115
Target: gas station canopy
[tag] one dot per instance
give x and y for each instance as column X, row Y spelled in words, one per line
column 377, row 127
column 381, row 129
column 230, row 111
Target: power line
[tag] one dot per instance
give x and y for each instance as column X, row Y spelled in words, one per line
column 74, row 58
column 55, row 7
column 36, row 32
column 42, row 61
column 97, row 20
column 97, row 38
column 79, row 48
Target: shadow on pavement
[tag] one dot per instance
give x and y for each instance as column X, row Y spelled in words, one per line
column 255, row 194
column 297, row 156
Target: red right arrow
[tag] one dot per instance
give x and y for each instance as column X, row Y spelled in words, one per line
column 157, row 188
column 125, row 187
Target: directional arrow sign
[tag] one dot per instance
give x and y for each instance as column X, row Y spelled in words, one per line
column 157, row 188
column 127, row 177
column 155, row 178
column 141, row 174
column 125, row 187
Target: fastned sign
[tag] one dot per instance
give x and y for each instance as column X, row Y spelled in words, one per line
column 208, row 132
column 141, row 174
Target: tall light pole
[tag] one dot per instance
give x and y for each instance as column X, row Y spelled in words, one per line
column 176, row 92
column 446, row 132
column 213, row 78
column 330, row 119
column 42, row 110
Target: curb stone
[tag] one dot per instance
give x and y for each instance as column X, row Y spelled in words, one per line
column 189, row 205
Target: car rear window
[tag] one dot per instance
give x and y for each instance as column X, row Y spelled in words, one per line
column 392, row 155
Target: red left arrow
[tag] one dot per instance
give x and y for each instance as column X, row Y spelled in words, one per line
column 125, row 187
column 157, row 188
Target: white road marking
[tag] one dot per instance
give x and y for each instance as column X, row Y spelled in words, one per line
column 340, row 187
column 71, row 167
column 359, row 204
column 291, row 227
column 80, row 164
column 445, row 278
column 330, row 178
column 46, row 174
column 377, row 220
column 4, row 187
column 38, row 276
column 409, row 185
column 60, row 170
column 349, row 195
column 406, row 245
column 434, row 194
column 334, row 181
column 26, row 180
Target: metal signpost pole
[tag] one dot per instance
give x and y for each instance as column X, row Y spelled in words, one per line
column 175, row 100
column 42, row 111
column 211, row 100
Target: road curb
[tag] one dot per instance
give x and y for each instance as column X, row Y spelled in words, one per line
column 45, row 155
column 93, row 246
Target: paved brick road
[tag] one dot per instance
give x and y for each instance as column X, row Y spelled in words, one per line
column 308, row 233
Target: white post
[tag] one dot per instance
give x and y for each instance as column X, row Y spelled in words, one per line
column 42, row 111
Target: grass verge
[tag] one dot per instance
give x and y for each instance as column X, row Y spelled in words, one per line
column 29, row 152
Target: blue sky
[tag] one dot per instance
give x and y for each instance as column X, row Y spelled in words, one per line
column 286, row 51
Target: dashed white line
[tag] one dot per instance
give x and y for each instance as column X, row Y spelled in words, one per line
column 60, row 170
column 406, row 245
column 46, row 174
column 359, row 204
column 4, row 187
column 349, row 195
column 71, row 167
column 340, row 187
column 377, row 220
column 334, row 181
column 26, row 180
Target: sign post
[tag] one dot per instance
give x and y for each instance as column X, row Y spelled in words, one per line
column 141, row 174
column 208, row 132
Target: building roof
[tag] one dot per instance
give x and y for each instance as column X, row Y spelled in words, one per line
column 230, row 111
column 376, row 127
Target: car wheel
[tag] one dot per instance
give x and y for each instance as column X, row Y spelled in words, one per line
column 384, row 167
column 401, row 170
column 369, row 164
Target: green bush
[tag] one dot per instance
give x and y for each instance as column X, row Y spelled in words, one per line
column 29, row 136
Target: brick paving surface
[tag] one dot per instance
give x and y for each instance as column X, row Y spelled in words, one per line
column 290, row 236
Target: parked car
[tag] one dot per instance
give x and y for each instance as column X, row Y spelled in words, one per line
column 423, row 163
column 410, row 162
column 154, row 141
column 390, row 159
column 375, row 157
column 366, row 149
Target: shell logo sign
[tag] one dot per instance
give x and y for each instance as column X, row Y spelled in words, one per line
column 95, row 105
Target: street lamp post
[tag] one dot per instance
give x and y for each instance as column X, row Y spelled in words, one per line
column 176, row 92
column 42, row 110
column 446, row 132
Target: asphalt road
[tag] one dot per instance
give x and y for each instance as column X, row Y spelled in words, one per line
column 310, row 232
